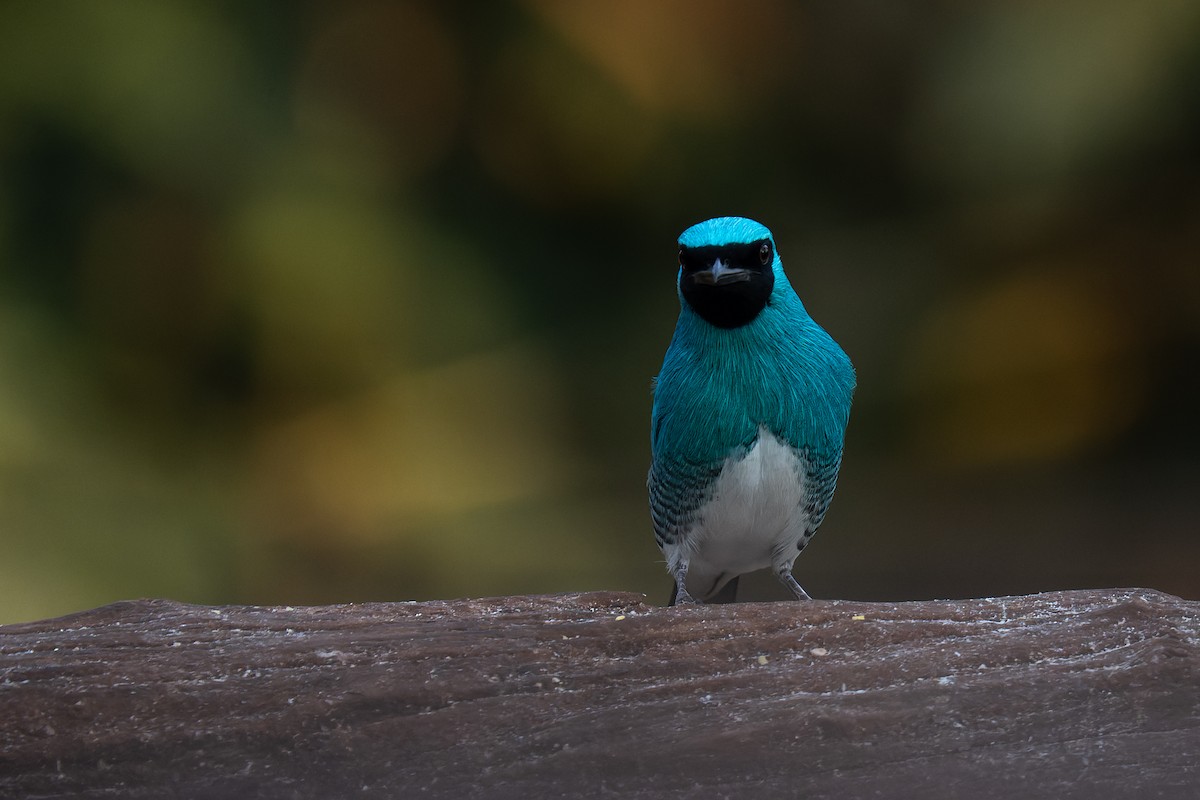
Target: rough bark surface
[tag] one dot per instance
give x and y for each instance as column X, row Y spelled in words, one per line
column 1085, row 694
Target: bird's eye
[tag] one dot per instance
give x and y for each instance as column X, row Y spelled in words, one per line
column 764, row 253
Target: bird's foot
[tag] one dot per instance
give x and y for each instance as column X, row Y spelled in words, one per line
column 682, row 598
column 788, row 580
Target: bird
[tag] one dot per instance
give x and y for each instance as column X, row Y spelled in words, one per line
column 749, row 417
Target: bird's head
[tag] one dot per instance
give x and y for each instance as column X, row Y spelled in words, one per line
column 727, row 270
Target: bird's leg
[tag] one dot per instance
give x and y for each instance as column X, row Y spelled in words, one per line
column 682, row 598
column 787, row 579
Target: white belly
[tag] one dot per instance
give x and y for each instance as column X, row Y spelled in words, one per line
column 754, row 520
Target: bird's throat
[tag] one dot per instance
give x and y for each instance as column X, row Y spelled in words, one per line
column 731, row 304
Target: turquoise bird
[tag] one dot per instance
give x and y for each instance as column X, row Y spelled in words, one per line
column 749, row 419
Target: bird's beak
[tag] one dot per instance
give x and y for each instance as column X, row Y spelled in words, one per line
column 719, row 274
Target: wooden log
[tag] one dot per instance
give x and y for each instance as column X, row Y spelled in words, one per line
column 1081, row 694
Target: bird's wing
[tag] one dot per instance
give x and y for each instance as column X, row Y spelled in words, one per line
column 678, row 489
column 820, row 480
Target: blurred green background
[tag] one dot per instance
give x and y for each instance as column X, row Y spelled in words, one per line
column 317, row 302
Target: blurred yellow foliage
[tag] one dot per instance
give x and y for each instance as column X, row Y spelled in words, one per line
column 1038, row 367
column 430, row 445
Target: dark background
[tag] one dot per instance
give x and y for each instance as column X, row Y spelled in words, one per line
column 304, row 303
